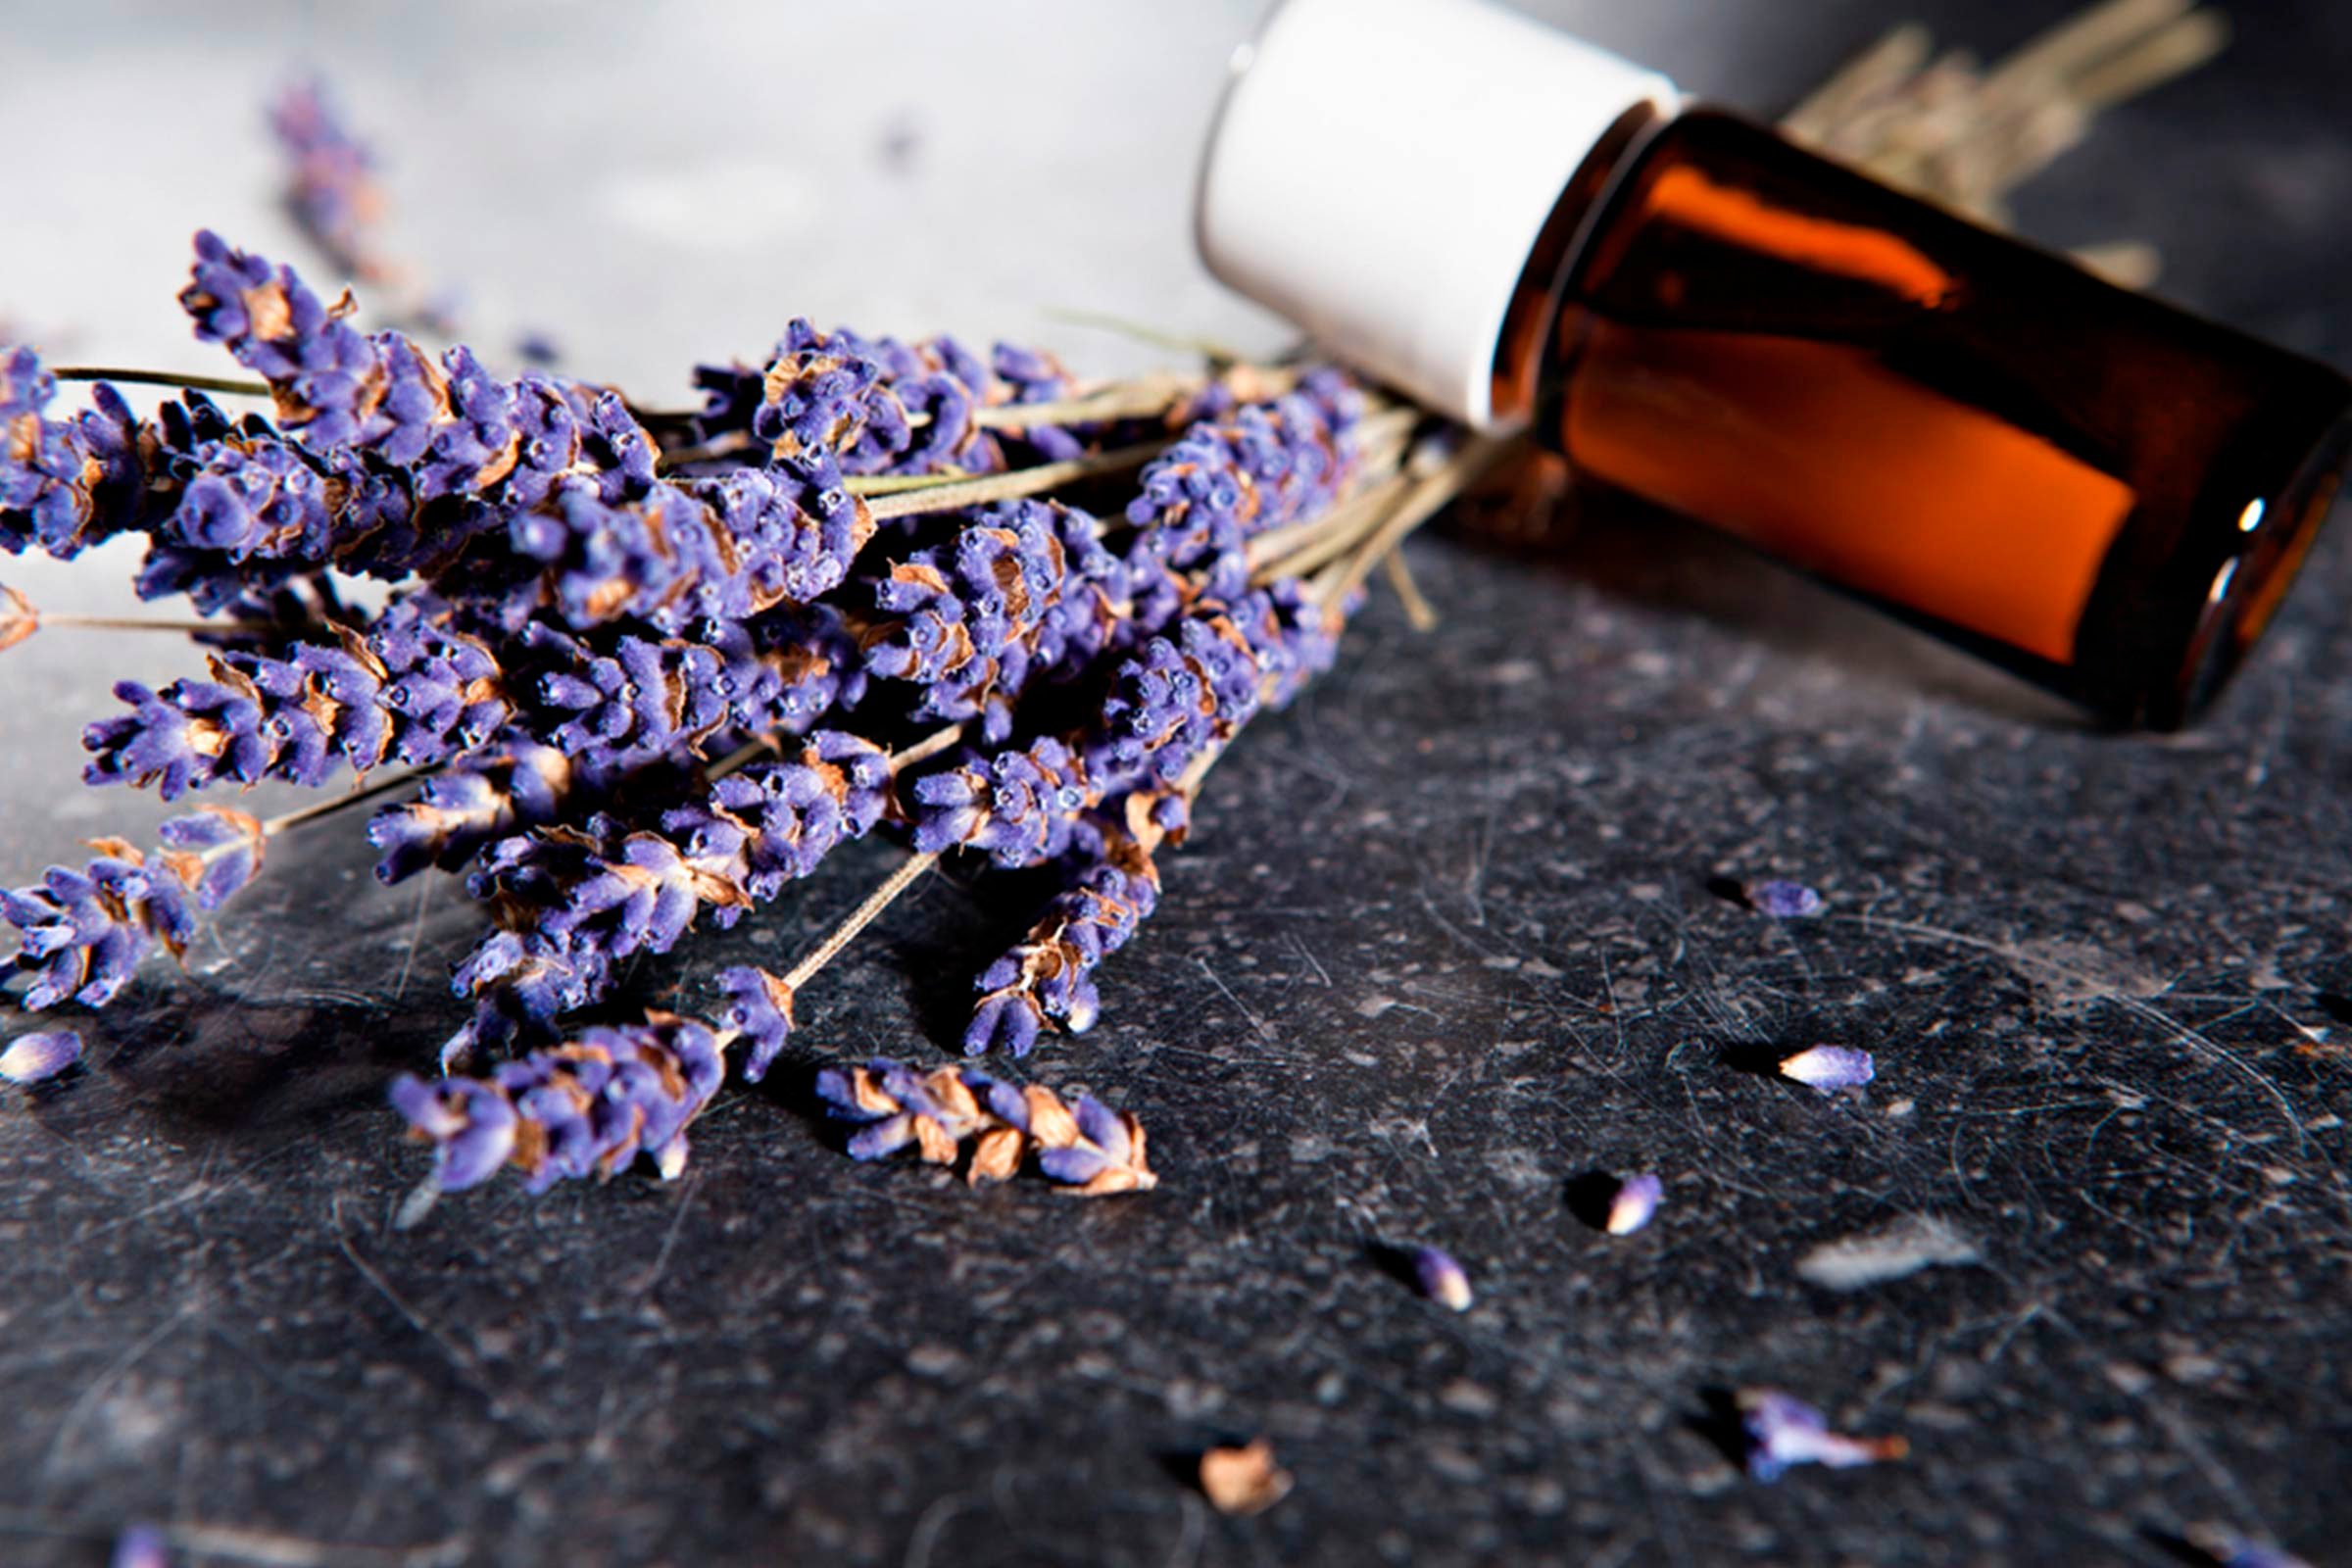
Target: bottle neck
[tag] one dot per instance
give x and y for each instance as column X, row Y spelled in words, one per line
column 1527, row 326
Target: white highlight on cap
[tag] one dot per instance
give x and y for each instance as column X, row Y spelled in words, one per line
column 1381, row 169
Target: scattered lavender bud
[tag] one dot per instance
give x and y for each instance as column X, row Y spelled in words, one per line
column 2230, row 1550
column 1244, row 1480
column 1783, row 900
column 1442, row 1279
column 1830, row 1067
column 37, row 1057
column 1636, row 1201
column 1783, row 1430
column 140, row 1547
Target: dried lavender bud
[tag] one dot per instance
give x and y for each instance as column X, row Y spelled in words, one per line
column 1830, row 1067
column 37, row 1057
column 414, row 687
column 1239, row 473
column 885, row 407
column 85, row 932
column 330, row 184
column 1783, row 900
column 214, row 851
column 1185, row 693
column 64, row 484
column 1783, row 1430
column 579, row 897
column 1017, row 806
column 520, row 785
column 1442, row 1279
column 1049, row 976
column 583, row 1109
column 325, row 375
column 758, row 1011
column 1636, row 1201
column 1092, row 1150
column 968, row 614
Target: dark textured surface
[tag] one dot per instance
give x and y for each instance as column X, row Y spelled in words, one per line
column 1443, row 944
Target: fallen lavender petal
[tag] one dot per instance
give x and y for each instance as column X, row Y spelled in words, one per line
column 37, row 1057
column 1830, row 1067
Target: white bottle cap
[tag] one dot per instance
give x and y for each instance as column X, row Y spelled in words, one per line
column 1380, row 170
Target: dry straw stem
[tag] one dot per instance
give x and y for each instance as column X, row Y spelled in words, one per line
column 1966, row 136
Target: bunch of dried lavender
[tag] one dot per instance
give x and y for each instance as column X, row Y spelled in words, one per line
column 646, row 671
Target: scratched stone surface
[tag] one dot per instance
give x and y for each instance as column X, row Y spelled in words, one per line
column 1444, row 948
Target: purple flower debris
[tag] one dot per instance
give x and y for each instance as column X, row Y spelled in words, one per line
column 1783, row 900
column 1828, row 1068
column 1442, row 1279
column 1782, row 1430
column 37, row 1057
column 1636, row 1200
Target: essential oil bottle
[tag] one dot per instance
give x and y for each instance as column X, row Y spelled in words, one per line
column 2106, row 494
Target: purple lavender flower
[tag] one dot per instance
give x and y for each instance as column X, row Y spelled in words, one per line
column 1049, row 975
column 1093, row 1151
column 214, row 851
column 1829, row 1067
column 1017, row 807
column 583, row 1109
column 968, row 614
column 414, row 687
column 326, row 377
column 37, row 1057
column 64, row 484
column 1783, row 1430
column 1236, row 474
column 519, row 785
column 758, row 1011
column 1784, row 901
column 1442, row 1279
column 884, row 406
column 581, row 897
column 84, row 933
column 330, row 182
column 1637, row 1199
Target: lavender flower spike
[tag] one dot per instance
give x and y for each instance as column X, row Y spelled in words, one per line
column 1830, row 1067
column 37, row 1057
column 1636, row 1201
column 1092, row 1150
column 583, row 1109
column 330, row 187
column 1442, row 1279
column 1783, row 1430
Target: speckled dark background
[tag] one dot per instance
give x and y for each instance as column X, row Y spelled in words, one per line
column 1443, row 944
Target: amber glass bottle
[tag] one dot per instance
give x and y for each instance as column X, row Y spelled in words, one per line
column 2103, row 493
